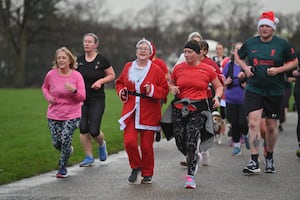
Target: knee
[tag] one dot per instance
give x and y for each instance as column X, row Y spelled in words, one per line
column 94, row 133
column 130, row 144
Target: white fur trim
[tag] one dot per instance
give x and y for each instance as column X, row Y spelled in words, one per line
column 266, row 22
column 151, row 90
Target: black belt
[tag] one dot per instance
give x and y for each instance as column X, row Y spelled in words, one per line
column 142, row 95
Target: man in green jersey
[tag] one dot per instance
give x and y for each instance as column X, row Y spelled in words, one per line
column 268, row 57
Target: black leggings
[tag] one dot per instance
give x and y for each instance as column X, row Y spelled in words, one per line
column 92, row 112
column 237, row 118
column 187, row 131
column 297, row 103
column 285, row 104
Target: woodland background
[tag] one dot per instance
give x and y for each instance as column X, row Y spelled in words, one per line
column 31, row 31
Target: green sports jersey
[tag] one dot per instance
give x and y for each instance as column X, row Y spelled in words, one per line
column 263, row 55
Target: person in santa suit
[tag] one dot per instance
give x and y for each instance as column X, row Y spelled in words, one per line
column 141, row 86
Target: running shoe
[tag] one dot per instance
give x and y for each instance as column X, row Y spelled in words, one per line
column 147, row 180
column 62, row 173
column 190, row 182
column 236, row 151
column 251, row 168
column 132, row 179
column 270, row 167
column 102, row 152
column 88, row 161
column 205, row 158
column 183, row 163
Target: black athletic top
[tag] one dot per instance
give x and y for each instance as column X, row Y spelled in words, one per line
column 91, row 72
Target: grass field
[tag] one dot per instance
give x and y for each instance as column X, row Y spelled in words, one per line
column 25, row 144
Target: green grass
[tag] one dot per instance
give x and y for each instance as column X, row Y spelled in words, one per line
column 25, row 144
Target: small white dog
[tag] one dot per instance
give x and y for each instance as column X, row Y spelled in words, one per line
column 219, row 126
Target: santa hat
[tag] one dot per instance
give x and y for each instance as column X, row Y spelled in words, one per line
column 268, row 18
column 154, row 51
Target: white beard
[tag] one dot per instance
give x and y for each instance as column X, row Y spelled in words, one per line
column 136, row 73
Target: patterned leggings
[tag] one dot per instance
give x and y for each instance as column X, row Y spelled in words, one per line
column 62, row 135
column 187, row 132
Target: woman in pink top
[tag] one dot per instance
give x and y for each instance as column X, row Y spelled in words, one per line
column 64, row 90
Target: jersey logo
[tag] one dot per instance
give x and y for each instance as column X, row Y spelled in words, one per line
column 292, row 51
column 255, row 62
column 273, row 52
column 253, row 51
column 97, row 65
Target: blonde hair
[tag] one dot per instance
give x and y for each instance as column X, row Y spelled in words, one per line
column 72, row 58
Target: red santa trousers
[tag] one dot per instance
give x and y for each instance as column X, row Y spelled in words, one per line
column 139, row 158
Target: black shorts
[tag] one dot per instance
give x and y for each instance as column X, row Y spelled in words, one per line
column 91, row 115
column 270, row 104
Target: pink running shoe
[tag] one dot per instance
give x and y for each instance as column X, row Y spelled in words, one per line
column 189, row 182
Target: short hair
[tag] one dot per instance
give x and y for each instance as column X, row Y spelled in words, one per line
column 203, row 45
column 144, row 41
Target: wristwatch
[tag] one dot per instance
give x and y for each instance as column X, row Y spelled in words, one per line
column 217, row 97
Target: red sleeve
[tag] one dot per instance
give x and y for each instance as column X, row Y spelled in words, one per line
column 161, row 64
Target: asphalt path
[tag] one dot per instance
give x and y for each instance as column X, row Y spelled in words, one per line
column 222, row 179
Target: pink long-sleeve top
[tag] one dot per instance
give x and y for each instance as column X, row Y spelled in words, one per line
column 67, row 105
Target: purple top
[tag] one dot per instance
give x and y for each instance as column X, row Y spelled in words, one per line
column 234, row 94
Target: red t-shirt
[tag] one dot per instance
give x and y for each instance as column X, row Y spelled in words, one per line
column 193, row 80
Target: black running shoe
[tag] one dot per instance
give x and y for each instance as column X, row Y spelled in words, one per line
column 147, row 180
column 251, row 168
column 132, row 179
column 270, row 168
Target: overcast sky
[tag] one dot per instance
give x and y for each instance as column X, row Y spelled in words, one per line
column 284, row 6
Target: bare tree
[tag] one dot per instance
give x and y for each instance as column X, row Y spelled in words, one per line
column 198, row 15
column 238, row 22
column 21, row 22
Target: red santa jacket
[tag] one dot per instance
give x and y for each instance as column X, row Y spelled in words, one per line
column 145, row 110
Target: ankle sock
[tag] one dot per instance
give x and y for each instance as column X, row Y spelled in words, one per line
column 254, row 157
